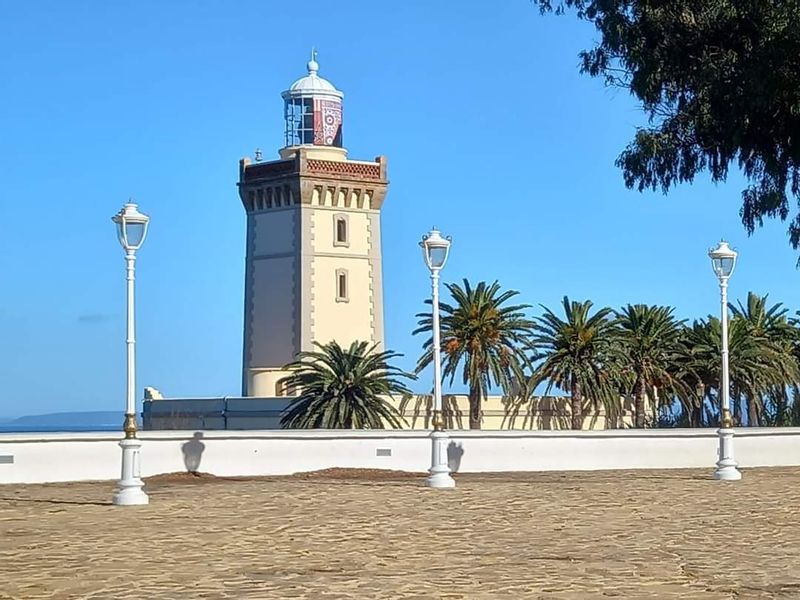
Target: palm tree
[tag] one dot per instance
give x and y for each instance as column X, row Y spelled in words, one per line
column 648, row 338
column 756, row 364
column 344, row 389
column 577, row 355
column 777, row 339
column 697, row 371
column 481, row 336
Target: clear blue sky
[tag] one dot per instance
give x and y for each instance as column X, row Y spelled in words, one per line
column 491, row 134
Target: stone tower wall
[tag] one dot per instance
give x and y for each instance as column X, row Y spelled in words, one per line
column 295, row 262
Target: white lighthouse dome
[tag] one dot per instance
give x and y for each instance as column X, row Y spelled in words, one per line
column 313, row 111
column 312, row 84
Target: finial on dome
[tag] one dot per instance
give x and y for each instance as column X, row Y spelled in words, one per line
column 313, row 65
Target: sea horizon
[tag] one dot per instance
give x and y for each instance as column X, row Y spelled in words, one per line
column 67, row 422
column 9, row 428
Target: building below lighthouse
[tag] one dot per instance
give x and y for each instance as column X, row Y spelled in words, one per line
column 313, row 269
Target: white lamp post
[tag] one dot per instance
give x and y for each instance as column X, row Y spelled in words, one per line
column 435, row 249
column 131, row 230
column 723, row 260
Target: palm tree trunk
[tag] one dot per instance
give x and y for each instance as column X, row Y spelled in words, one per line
column 697, row 411
column 474, row 407
column 782, row 402
column 752, row 412
column 639, row 403
column 654, row 406
column 577, row 405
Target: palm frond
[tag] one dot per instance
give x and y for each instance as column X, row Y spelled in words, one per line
column 344, row 388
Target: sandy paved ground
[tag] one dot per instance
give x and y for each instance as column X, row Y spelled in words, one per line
column 549, row 535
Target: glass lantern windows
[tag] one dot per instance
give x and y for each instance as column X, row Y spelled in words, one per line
column 435, row 249
column 723, row 260
column 131, row 227
column 313, row 121
column 723, row 267
column 134, row 233
column 299, row 114
column 437, row 257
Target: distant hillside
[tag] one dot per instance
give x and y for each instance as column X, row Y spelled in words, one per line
column 70, row 420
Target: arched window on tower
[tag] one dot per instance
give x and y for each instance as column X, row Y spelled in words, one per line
column 340, row 231
column 342, row 286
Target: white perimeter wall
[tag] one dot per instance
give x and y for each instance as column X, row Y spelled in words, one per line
column 37, row 458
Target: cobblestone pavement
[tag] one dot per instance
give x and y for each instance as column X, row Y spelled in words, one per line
column 534, row 535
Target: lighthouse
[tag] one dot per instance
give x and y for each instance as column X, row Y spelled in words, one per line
column 313, row 269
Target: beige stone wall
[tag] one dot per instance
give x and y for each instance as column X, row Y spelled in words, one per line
column 323, row 227
column 265, row 382
column 500, row 412
column 274, row 233
column 323, row 152
column 270, row 319
column 294, row 260
column 332, row 318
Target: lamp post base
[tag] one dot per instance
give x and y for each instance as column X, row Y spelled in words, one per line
column 129, row 489
column 440, row 471
column 727, row 467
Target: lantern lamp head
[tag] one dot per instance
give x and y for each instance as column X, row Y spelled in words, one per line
column 435, row 249
column 131, row 227
column 723, row 260
column 313, row 110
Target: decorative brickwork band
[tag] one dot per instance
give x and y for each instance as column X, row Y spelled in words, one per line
column 349, row 168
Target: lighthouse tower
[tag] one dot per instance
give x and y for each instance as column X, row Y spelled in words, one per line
column 313, row 265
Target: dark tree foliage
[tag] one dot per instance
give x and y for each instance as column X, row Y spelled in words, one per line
column 720, row 82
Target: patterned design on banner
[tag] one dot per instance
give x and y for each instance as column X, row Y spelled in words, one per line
column 327, row 121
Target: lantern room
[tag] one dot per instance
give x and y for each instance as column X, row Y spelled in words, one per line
column 313, row 111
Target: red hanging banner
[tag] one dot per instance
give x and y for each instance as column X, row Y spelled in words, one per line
column 327, row 121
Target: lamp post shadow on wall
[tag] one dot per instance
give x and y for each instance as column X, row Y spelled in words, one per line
column 131, row 230
column 723, row 261
column 435, row 250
